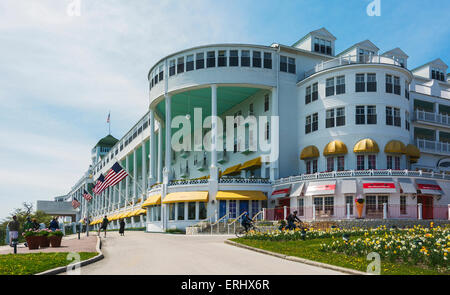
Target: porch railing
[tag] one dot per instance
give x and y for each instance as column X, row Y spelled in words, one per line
column 431, row 117
column 433, row 146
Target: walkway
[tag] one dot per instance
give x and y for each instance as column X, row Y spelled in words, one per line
column 139, row 253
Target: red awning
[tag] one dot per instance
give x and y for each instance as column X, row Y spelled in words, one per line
column 379, row 187
column 321, row 188
column 282, row 191
column 429, row 187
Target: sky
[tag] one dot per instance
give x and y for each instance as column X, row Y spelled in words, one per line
column 61, row 74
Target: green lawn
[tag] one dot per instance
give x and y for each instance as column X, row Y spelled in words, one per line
column 309, row 249
column 29, row 264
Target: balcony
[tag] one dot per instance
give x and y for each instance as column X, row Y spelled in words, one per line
column 440, row 119
column 435, row 147
column 352, row 59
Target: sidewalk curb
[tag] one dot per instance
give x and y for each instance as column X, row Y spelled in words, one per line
column 298, row 259
column 63, row 269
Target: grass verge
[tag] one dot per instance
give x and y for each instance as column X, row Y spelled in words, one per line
column 309, row 249
column 29, row 264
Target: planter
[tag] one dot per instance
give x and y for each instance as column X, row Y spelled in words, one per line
column 360, row 208
column 55, row 241
column 45, row 242
column 33, row 242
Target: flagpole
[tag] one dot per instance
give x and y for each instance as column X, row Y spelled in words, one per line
column 142, row 190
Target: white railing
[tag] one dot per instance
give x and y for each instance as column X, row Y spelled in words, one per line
column 351, row 59
column 433, row 146
column 234, row 223
column 188, row 182
column 442, row 119
column 360, row 173
column 245, row 180
column 223, row 218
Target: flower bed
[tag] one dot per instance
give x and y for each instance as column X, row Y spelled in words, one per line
column 427, row 246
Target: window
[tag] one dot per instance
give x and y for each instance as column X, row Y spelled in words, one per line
column 283, row 63
column 360, row 118
column 301, row 207
column 180, row 65
column 172, row 67
column 222, row 59
column 308, row 95
column 407, row 90
column 189, row 63
column 340, row 117
column 360, row 162
column 267, row 131
column 234, row 58
column 191, row 210
column 256, row 59
column 267, row 60
column 315, row 92
column 202, row 210
column 171, row 211
column 180, row 211
column 330, row 87
column 340, row 163
column 364, row 55
column 315, row 122
column 397, row 118
column 371, row 82
column 329, row 121
column 308, row 125
column 397, row 163
column 407, row 123
column 389, row 116
column 311, row 166
column 211, row 59
column 291, row 65
column 403, row 210
column 374, row 204
column 388, row 162
column 245, row 58
column 371, row 115
column 372, row 162
column 437, row 74
column 397, row 88
column 322, row 46
column 340, row 85
column 266, row 103
column 360, row 83
column 349, row 201
column 324, row 206
column 200, row 63
column 388, row 84
column 161, row 73
column 232, row 208
column 330, row 164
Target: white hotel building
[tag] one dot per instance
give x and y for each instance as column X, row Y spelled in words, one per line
column 358, row 124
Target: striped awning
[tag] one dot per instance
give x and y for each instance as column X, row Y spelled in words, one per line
column 379, row 186
column 321, row 188
column 429, row 187
column 297, row 189
column 407, row 186
column 282, row 191
column 181, row 197
column 241, row 195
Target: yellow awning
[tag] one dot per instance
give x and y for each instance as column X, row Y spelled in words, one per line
column 366, row 146
column 252, row 164
column 152, row 201
column 81, row 220
column 142, row 211
column 336, row 147
column 310, row 152
column 241, row 195
column 413, row 152
column 232, row 170
column 395, row 147
column 186, row 197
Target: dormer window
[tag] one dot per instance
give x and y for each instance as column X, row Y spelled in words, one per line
column 322, row 46
column 437, row 74
column 365, row 54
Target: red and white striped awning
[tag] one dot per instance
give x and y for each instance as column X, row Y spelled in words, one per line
column 281, row 191
column 429, row 187
column 379, row 187
column 321, row 188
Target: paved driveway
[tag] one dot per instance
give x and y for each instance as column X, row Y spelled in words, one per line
column 139, row 253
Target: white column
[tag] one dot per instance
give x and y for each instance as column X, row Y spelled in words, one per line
column 135, row 180
column 151, row 172
column 127, row 180
column 160, row 167
column 274, row 166
column 144, row 167
column 214, row 174
column 168, row 134
column 419, row 208
column 120, row 194
column 385, row 211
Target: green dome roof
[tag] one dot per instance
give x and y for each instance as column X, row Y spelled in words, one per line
column 107, row 141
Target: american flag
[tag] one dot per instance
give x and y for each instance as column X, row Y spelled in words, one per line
column 100, row 185
column 109, row 118
column 87, row 195
column 115, row 175
column 75, row 203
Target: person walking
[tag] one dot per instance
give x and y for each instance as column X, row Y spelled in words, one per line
column 54, row 225
column 13, row 227
column 122, row 227
column 104, row 225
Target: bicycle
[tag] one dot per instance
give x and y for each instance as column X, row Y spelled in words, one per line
column 242, row 232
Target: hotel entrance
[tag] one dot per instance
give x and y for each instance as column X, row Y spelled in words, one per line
column 427, row 206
